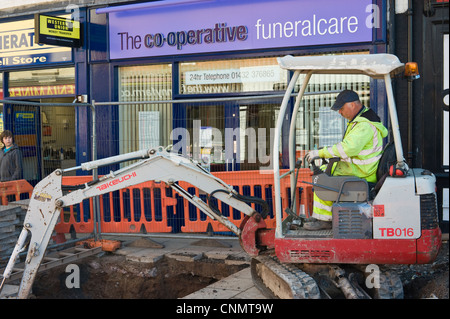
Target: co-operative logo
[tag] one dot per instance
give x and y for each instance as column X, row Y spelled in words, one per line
column 220, row 33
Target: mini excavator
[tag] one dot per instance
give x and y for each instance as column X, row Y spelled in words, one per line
column 392, row 222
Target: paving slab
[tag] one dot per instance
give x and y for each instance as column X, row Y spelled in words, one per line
column 9, row 291
column 236, row 286
column 185, row 256
column 144, row 256
column 251, row 293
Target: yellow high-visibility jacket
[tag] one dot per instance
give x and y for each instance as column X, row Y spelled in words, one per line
column 361, row 147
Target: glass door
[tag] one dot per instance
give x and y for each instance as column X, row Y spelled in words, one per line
column 57, row 135
column 205, row 138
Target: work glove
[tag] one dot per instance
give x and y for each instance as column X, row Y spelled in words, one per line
column 311, row 154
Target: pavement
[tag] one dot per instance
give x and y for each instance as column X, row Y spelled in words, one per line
column 151, row 249
column 237, row 286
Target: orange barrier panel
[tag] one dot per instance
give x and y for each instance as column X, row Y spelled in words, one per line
column 141, row 206
column 127, row 210
column 145, row 206
column 249, row 183
column 14, row 188
column 77, row 216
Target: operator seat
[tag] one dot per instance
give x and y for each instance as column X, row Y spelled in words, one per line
column 387, row 159
column 352, row 188
column 338, row 188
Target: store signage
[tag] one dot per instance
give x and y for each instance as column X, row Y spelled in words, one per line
column 18, row 47
column 47, row 90
column 242, row 75
column 57, row 31
column 234, row 25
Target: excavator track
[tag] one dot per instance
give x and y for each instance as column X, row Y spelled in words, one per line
column 284, row 281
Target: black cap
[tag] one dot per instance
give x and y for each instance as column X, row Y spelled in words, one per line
column 345, row 96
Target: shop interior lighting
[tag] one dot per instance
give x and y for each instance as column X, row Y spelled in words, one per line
column 401, row 6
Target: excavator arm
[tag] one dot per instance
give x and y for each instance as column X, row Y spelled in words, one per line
column 48, row 199
column 165, row 167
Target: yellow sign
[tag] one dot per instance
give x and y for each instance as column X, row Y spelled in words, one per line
column 57, row 31
column 60, row 27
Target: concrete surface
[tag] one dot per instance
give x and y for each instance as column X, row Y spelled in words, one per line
column 237, row 286
column 9, row 291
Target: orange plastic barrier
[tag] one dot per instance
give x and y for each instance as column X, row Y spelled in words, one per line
column 78, row 216
column 146, row 206
column 250, row 183
column 128, row 210
column 14, row 188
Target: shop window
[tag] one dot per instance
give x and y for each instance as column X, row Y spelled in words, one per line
column 58, row 135
column 234, row 132
column 147, row 125
column 253, row 124
column 231, row 76
column 205, row 141
column 233, row 135
column 45, row 133
column 317, row 125
column 256, row 134
column 39, row 83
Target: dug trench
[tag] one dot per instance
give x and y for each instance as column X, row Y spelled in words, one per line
column 113, row 277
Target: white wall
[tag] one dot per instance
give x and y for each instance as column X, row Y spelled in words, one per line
column 4, row 4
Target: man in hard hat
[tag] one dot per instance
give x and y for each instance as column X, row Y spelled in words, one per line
column 359, row 151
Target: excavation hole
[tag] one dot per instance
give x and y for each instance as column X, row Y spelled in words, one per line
column 113, row 277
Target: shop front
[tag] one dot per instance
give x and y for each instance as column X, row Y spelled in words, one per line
column 219, row 60
column 37, row 79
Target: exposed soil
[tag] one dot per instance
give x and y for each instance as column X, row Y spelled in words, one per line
column 112, row 276
column 427, row 281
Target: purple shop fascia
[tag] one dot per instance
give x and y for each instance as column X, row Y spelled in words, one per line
column 236, row 25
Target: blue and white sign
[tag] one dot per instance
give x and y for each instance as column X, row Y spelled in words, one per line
column 18, row 47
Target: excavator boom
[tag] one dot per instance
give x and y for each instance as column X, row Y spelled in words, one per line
column 48, row 199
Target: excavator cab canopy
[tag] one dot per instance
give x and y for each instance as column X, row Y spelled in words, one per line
column 373, row 65
column 380, row 66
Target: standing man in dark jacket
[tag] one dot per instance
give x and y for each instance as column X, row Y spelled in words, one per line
column 10, row 158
